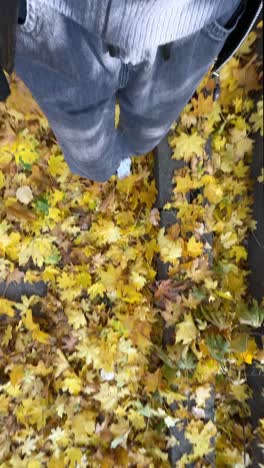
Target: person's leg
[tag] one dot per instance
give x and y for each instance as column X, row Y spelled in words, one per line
column 73, row 78
column 158, row 89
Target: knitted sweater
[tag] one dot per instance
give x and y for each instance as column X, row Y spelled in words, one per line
column 143, row 24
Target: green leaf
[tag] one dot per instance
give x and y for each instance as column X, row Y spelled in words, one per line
column 26, row 166
column 160, row 426
column 42, row 206
column 198, row 294
column 146, row 411
column 217, row 346
column 168, row 372
column 54, row 258
column 164, row 357
column 188, row 362
column 239, row 343
column 253, row 316
column 119, row 440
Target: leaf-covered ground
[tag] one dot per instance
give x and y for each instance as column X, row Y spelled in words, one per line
column 85, row 376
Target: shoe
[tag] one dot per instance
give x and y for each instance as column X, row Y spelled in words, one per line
column 124, row 169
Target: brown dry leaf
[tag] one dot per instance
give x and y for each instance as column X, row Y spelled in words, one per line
column 202, row 105
column 154, row 217
column 16, row 276
column 18, row 211
column 153, row 381
column 109, row 203
column 248, row 77
column 170, row 289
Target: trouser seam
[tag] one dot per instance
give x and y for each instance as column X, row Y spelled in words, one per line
column 124, row 74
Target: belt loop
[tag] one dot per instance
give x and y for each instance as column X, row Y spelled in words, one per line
column 22, row 11
column 166, row 51
column 111, row 50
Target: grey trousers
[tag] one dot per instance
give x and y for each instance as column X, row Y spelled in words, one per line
column 76, row 82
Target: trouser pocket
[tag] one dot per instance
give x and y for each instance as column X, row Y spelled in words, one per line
column 220, row 29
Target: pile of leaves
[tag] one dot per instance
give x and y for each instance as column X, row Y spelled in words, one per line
column 86, row 377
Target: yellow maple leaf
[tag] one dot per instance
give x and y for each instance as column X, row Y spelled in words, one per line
column 110, row 277
column 187, row 145
column 97, row 289
column 76, row 317
column 239, row 252
column 5, row 157
column 186, row 331
column 240, row 391
column 152, row 381
column 56, row 196
column 72, row 383
column 28, row 321
column 228, row 239
column 136, row 419
column 248, row 355
column 257, row 118
column 150, row 249
column 194, row 247
column 32, row 411
column 34, row 464
column 73, row 457
column 246, row 46
column 138, row 280
column 4, row 404
column 8, row 335
column 7, row 307
column 121, row 431
column 83, row 425
column 69, row 286
column 60, row 364
column 38, row 248
column 66, row 280
column 10, row 244
column 206, row 370
column 56, row 461
column 202, row 394
column 2, row 180
column 213, row 192
column 83, row 278
column 219, row 142
column 40, row 336
column 50, row 273
column 200, row 435
column 104, row 231
column 108, row 396
column 37, row 334
column 16, row 374
column 202, row 105
column 40, row 369
column 186, row 183
column 128, row 293
column 25, row 150
column 57, row 166
column 170, row 250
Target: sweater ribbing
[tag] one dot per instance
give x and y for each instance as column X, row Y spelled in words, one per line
column 143, row 24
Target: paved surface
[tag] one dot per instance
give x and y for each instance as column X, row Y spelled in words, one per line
column 163, row 170
column 256, row 264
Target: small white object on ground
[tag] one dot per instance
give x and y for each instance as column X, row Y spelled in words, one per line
column 124, row 169
column 24, row 195
column 107, row 375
